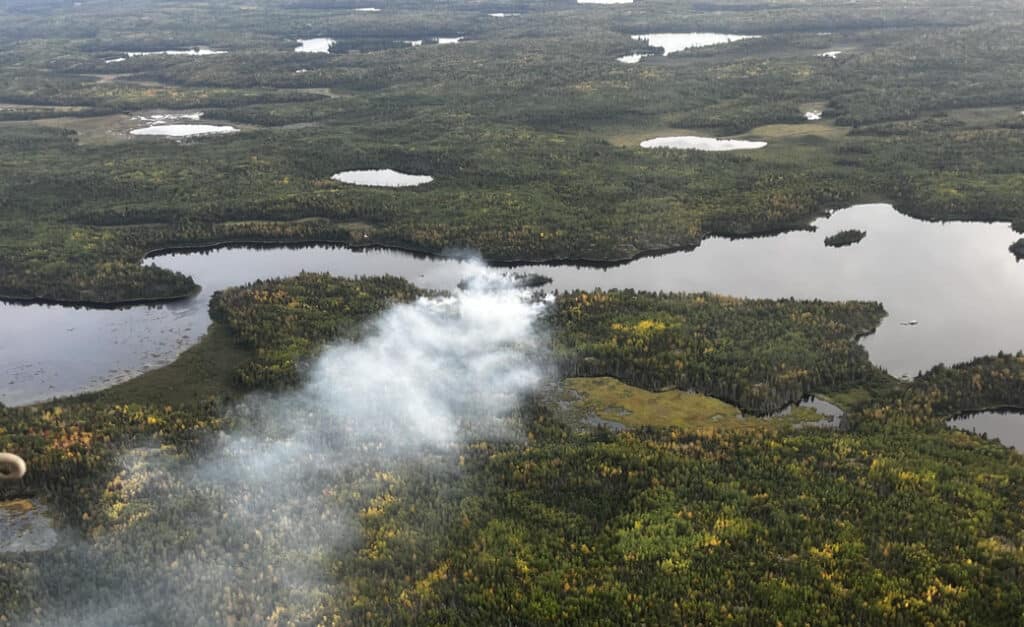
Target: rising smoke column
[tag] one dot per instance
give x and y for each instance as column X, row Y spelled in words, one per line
column 254, row 524
column 436, row 365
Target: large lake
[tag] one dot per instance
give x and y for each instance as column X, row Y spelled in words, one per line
column 957, row 280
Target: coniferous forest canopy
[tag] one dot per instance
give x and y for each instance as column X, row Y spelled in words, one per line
column 238, row 485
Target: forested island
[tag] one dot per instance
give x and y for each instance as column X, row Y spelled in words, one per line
column 365, row 450
column 845, row 238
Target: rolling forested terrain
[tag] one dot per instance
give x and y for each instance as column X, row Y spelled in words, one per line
column 240, row 485
column 529, row 126
column 661, row 527
column 898, row 518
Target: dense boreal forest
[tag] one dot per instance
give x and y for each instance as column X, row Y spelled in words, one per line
column 896, row 518
column 994, row 382
column 209, row 492
column 661, row 527
column 759, row 355
column 285, row 321
column 529, row 126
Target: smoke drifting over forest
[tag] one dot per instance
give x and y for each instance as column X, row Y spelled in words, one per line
column 432, row 365
column 257, row 521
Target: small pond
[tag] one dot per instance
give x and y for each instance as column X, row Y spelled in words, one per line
column 671, row 43
column 162, row 118
column 26, row 527
column 831, row 415
column 707, row 144
column 381, row 178
column 318, row 45
column 183, row 130
column 198, row 51
column 630, row 59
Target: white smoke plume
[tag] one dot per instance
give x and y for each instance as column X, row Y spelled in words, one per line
column 434, row 365
column 425, row 377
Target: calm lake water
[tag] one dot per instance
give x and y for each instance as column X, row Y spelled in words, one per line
column 316, row 45
column 957, row 280
column 671, row 43
column 183, row 130
column 381, row 178
column 706, row 144
column 198, row 51
column 1006, row 426
column 630, row 59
